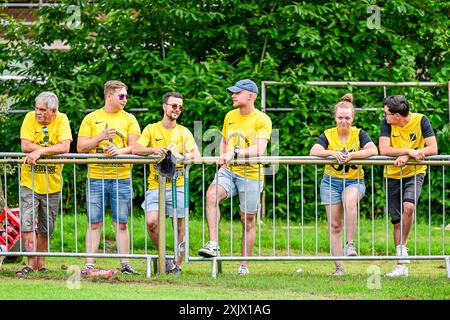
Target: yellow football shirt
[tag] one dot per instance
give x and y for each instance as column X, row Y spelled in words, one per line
column 156, row 136
column 124, row 123
column 44, row 135
column 352, row 144
column 243, row 130
column 410, row 137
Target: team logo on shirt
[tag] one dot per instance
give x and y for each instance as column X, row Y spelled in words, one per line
column 412, row 136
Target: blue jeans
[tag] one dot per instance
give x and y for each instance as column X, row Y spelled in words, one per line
column 334, row 194
column 99, row 192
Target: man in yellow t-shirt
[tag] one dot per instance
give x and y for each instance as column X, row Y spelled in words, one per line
column 246, row 133
column 45, row 131
column 404, row 135
column 112, row 131
column 157, row 139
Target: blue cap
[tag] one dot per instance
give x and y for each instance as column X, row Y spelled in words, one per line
column 245, row 84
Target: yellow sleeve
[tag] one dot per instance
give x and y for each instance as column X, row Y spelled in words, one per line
column 189, row 141
column 86, row 127
column 145, row 138
column 264, row 127
column 64, row 132
column 27, row 130
column 224, row 128
column 133, row 125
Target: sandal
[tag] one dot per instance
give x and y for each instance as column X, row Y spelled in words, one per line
column 24, row 271
column 44, row 270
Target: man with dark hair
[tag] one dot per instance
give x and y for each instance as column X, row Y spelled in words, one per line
column 404, row 135
column 157, row 139
column 45, row 131
column 112, row 131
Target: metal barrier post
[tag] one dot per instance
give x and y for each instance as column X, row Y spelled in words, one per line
column 447, row 265
column 162, row 224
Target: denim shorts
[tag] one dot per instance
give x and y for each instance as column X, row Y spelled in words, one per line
column 335, row 193
column 249, row 190
column 99, row 192
column 151, row 201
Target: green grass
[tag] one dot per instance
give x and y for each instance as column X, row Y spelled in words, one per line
column 314, row 241
column 268, row 279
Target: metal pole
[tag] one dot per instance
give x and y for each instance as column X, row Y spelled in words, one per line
column 162, row 224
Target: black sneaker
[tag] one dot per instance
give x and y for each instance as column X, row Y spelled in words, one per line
column 170, row 266
column 176, row 270
column 128, row 269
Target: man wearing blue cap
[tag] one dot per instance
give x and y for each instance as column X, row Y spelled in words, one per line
column 245, row 134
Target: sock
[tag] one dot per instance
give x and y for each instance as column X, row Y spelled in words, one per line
column 124, row 263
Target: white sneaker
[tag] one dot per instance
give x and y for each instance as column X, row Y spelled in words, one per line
column 339, row 271
column 402, row 251
column 350, row 250
column 2, row 249
column 399, row 270
column 210, row 250
column 243, row 270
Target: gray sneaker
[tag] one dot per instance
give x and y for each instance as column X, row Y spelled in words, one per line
column 339, row 271
column 128, row 269
column 209, row 250
column 350, row 250
column 243, row 270
column 174, row 270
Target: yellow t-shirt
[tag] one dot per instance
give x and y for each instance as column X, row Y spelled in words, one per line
column 352, row 144
column 44, row 135
column 243, row 130
column 156, row 136
column 124, row 123
column 410, row 137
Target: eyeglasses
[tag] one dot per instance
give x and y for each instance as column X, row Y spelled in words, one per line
column 175, row 106
column 123, row 96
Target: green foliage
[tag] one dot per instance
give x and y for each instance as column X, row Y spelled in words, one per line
column 200, row 48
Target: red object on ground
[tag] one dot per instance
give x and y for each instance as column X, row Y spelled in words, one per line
column 100, row 272
column 12, row 234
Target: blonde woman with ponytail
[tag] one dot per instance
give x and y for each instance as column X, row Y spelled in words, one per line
column 342, row 186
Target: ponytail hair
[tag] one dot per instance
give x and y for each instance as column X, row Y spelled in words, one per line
column 345, row 102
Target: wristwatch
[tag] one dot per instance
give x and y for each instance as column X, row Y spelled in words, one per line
column 236, row 151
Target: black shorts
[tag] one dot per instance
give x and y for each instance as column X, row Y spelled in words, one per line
column 395, row 199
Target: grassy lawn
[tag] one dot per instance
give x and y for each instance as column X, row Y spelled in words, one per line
column 269, row 280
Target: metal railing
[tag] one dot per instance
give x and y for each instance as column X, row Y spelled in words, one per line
column 301, row 234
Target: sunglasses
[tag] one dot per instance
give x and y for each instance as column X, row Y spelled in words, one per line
column 123, row 96
column 175, row 106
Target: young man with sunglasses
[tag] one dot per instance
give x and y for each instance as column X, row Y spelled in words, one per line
column 404, row 135
column 245, row 134
column 44, row 132
column 111, row 131
column 157, row 139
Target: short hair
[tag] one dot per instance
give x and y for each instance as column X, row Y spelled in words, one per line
column 397, row 104
column 49, row 98
column 172, row 94
column 345, row 102
column 112, row 85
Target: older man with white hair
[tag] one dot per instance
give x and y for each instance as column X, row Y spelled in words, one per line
column 44, row 132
